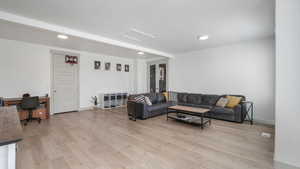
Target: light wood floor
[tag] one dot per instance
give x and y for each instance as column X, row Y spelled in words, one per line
column 108, row 140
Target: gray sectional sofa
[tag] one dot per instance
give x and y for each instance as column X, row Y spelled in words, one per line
column 143, row 111
column 236, row 114
column 160, row 106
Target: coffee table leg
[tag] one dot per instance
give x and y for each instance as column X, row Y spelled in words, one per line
column 202, row 125
column 167, row 114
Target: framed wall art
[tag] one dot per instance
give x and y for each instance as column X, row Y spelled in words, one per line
column 107, row 66
column 126, row 68
column 97, row 65
column 119, row 67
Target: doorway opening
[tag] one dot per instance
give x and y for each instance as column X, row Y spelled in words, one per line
column 157, row 76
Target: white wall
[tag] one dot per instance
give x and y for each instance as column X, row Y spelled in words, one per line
column 25, row 67
column 246, row 68
column 98, row 81
column 141, row 76
column 8, row 156
column 287, row 140
column 3, row 157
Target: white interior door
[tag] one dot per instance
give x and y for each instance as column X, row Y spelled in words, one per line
column 64, row 85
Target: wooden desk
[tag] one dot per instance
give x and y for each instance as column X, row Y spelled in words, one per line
column 14, row 101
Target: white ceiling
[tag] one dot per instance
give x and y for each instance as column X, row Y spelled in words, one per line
column 174, row 23
column 16, row 31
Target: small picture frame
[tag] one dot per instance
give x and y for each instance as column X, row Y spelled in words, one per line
column 126, row 68
column 107, row 66
column 119, row 67
column 97, row 65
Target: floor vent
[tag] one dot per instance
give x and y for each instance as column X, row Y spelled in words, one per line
column 266, row 135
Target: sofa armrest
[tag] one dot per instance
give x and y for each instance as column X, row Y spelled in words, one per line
column 136, row 110
column 238, row 113
column 244, row 110
column 131, row 109
column 140, row 110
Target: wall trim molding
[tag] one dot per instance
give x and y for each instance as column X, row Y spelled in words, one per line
column 85, row 108
column 262, row 121
column 281, row 165
column 62, row 52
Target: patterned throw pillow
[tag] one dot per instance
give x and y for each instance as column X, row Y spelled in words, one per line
column 147, row 100
column 140, row 99
column 222, row 102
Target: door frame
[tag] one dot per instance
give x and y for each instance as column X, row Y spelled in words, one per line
column 157, row 62
column 59, row 52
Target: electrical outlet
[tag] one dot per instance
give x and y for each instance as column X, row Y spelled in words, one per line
column 267, row 135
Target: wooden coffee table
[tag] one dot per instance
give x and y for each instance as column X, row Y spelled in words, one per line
column 187, row 114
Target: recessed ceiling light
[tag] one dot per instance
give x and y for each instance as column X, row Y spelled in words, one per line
column 202, row 37
column 62, row 36
column 141, row 53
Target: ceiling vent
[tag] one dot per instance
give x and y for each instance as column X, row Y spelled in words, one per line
column 142, row 33
column 131, row 38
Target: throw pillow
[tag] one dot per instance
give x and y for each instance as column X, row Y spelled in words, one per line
column 222, row 102
column 140, row 99
column 147, row 100
column 233, row 101
column 166, row 94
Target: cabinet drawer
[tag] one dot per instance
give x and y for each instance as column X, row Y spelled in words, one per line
column 40, row 112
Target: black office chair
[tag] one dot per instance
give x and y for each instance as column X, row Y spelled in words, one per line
column 30, row 104
column 1, row 102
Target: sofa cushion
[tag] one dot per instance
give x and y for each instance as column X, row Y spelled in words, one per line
column 222, row 110
column 182, row 97
column 153, row 98
column 210, row 99
column 222, row 102
column 196, row 105
column 160, row 106
column 160, row 98
column 194, row 98
column 221, row 116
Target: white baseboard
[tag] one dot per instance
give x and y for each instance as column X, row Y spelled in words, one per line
column 85, row 108
column 281, row 165
column 268, row 122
